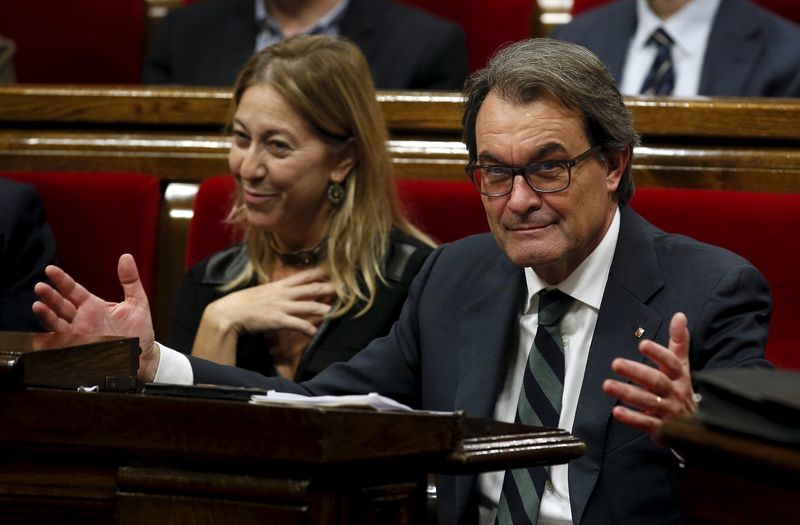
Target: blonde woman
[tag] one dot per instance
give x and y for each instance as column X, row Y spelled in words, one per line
column 327, row 255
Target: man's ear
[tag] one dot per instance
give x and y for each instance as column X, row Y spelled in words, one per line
column 344, row 162
column 617, row 161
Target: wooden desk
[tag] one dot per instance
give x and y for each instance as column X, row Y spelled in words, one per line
column 733, row 479
column 72, row 457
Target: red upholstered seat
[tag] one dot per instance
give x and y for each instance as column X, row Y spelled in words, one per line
column 478, row 19
column 208, row 232
column 95, row 218
column 487, row 25
column 787, row 8
column 761, row 227
column 447, row 210
column 76, row 41
column 579, row 6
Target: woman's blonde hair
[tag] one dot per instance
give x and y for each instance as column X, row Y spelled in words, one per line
column 327, row 82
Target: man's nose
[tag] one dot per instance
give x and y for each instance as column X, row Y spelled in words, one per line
column 522, row 197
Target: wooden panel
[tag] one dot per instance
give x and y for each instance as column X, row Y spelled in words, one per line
column 178, row 135
column 119, row 107
column 722, row 117
column 734, row 479
column 56, row 491
column 771, row 169
column 405, row 111
column 160, row 495
column 162, row 459
column 70, row 361
column 191, row 158
column 172, row 157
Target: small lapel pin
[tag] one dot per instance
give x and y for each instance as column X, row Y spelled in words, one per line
column 639, row 332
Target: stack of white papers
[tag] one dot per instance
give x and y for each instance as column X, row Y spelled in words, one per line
column 370, row 401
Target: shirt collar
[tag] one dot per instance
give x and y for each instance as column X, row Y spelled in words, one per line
column 588, row 281
column 689, row 27
column 328, row 24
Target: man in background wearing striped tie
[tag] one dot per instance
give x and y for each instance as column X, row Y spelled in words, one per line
column 687, row 48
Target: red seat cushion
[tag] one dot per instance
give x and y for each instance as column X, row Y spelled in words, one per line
column 761, row 227
column 95, row 218
column 579, row 6
column 479, row 19
column 76, row 41
column 447, row 210
column 208, row 232
column 758, row 226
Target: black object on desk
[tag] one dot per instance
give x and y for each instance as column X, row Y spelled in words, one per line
column 68, row 361
column 760, row 402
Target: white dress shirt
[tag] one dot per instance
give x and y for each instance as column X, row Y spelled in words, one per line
column 586, row 285
column 173, row 367
column 689, row 29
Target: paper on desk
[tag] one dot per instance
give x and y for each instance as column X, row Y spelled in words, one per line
column 372, row 401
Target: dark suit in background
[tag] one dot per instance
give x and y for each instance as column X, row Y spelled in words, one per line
column 751, row 51
column 205, row 44
column 449, row 351
column 26, row 247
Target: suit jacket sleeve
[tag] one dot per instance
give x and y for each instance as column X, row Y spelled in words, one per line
column 26, row 247
column 730, row 329
column 187, row 311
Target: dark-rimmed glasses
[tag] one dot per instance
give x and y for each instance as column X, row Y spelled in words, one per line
column 543, row 177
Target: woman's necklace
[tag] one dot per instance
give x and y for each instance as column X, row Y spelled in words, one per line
column 310, row 257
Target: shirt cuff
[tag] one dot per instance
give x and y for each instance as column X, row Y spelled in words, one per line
column 173, row 367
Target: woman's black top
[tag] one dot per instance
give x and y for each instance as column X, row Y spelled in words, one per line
column 336, row 340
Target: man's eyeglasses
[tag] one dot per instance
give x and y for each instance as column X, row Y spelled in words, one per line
column 544, row 177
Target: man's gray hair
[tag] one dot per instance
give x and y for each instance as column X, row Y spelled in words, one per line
column 530, row 69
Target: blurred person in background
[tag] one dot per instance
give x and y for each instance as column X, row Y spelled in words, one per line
column 26, row 248
column 692, row 47
column 205, row 44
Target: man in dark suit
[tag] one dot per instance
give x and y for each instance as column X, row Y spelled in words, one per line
column 721, row 48
column 26, row 247
column 550, row 143
column 206, row 43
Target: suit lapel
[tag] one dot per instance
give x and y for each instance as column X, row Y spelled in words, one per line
column 734, row 45
column 488, row 329
column 633, row 279
column 614, row 43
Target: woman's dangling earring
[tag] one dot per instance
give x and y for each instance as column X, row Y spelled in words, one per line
column 335, row 193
